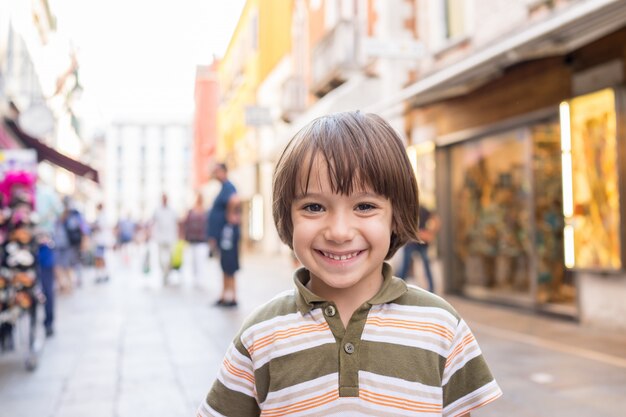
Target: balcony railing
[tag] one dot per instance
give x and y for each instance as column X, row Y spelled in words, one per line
column 334, row 57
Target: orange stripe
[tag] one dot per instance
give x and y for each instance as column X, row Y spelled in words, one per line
column 232, row 369
column 398, row 402
column 487, row 401
column 466, row 341
column 412, row 325
column 302, row 405
column 285, row 334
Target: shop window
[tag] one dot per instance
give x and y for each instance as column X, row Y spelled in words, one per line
column 553, row 285
column 491, row 212
column 590, row 182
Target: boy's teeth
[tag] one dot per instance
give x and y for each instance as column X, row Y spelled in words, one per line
column 340, row 257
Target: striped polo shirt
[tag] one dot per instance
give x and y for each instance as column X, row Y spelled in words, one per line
column 405, row 352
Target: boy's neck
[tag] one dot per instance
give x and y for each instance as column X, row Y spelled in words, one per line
column 346, row 300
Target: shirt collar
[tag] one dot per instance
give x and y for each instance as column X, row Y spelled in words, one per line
column 306, row 300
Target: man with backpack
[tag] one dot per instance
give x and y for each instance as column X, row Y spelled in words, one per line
column 70, row 230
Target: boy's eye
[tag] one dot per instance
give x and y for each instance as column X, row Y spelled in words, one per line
column 313, row 208
column 365, row 207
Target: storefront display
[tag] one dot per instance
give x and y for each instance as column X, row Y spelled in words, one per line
column 553, row 286
column 508, row 215
column 491, row 211
column 593, row 213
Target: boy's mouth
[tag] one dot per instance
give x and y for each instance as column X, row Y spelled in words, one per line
column 340, row 257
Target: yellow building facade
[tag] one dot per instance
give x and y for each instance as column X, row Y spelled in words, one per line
column 260, row 40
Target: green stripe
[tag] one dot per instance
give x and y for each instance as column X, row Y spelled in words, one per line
column 419, row 298
column 404, row 362
column 231, row 403
column 278, row 307
column 296, row 368
column 472, row 376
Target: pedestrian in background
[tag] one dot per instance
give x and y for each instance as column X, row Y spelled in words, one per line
column 195, row 231
column 48, row 208
column 165, row 233
column 428, row 228
column 70, row 230
column 101, row 236
column 125, row 235
column 223, row 231
column 345, row 199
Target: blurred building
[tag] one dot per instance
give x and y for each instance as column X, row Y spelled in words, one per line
column 520, row 104
column 40, row 96
column 512, row 113
column 145, row 160
column 207, row 98
column 261, row 41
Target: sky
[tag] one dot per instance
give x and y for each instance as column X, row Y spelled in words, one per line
column 138, row 57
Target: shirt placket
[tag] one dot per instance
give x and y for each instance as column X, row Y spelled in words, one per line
column 348, row 343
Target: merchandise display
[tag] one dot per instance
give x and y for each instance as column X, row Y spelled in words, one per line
column 596, row 212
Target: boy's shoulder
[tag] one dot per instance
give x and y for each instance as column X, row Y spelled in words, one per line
column 282, row 304
column 419, row 297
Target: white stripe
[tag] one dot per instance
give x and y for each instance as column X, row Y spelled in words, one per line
column 470, row 352
column 385, row 385
column 205, row 410
column 417, row 318
column 431, row 343
column 301, row 391
column 278, row 323
column 356, row 407
column 240, row 361
column 234, row 382
column 446, row 318
column 465, row 404
column 291, row 345
column 266, row 327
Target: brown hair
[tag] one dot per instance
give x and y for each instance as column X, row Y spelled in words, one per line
column 360, row 150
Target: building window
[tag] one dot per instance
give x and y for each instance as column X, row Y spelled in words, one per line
column 455, row 19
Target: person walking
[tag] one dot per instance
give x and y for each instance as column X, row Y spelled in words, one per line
column 48, row 208
column 165, row 233
column 102, row 236
column 428, row 228
column 195, row 232
column 70, row 231
column 350, row 338
column 223, row 230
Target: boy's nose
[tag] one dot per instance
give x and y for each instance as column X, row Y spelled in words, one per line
column 339, row 229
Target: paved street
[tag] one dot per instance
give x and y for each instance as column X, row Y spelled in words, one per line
column 133, row 348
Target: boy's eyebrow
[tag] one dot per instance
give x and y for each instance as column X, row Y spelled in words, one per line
column 357, row 194
column 308, row 195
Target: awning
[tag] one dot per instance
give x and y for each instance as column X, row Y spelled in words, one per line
column 45, row 152
column 577, row 25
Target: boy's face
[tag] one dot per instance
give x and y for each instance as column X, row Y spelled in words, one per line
column 341, row 239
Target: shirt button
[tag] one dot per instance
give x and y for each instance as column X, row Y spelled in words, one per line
column 349, row 348
column 330, row 311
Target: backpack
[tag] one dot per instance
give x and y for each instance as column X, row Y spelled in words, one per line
column 73, row 229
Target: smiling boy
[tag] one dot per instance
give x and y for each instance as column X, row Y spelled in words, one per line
column 351, row 339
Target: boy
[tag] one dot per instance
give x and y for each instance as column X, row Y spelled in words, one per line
column 350, row 340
